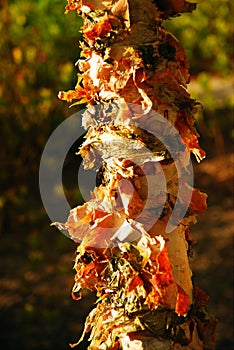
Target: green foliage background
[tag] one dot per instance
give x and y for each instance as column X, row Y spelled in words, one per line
column 207, row 35
column 38, row 49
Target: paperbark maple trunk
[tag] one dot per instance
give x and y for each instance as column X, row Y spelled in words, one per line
column 134, row 70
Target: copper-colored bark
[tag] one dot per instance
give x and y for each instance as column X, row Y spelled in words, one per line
column 140, row 272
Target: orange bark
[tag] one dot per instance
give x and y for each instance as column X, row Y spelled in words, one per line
column 141, row 274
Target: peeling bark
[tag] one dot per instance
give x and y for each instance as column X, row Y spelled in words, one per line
column 131, row 68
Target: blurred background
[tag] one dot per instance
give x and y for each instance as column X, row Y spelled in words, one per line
column 39, row 46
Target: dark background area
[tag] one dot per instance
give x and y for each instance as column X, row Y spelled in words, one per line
column 39, row 47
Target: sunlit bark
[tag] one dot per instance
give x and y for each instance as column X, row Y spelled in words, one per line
column 140, row 273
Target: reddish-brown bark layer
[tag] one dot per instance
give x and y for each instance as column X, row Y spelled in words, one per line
column 141, row 274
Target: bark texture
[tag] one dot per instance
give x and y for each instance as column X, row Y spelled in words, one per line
column 133, row 78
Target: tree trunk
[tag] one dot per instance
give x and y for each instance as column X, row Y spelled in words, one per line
column 133, row 234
